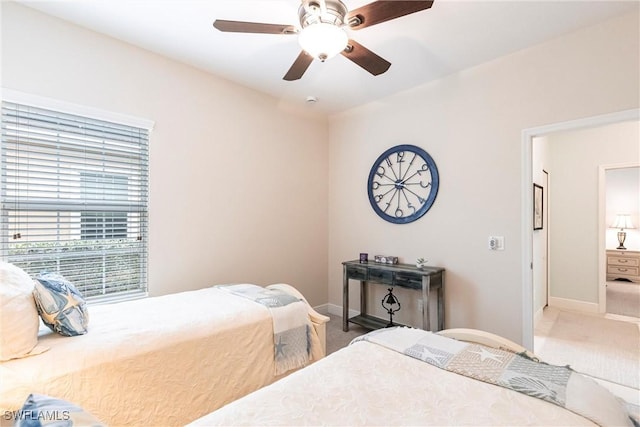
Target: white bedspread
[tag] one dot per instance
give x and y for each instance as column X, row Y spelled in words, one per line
column 291, row 324
column 368, row 385
column 157, row 361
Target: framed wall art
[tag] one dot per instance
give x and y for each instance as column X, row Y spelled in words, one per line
column 538, row 193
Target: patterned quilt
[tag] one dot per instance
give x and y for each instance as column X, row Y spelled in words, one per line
column 291, row 325
column 559, row 385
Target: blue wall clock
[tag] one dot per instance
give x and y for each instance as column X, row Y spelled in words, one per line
column 403, row 184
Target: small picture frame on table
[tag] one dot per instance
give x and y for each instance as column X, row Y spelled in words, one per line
column 538, row 193
column 364, row 257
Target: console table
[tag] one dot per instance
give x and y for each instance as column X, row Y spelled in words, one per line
column 425, row 279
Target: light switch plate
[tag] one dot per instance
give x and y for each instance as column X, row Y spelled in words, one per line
column 496, row 243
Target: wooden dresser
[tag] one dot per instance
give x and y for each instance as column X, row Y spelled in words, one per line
column 623, row 264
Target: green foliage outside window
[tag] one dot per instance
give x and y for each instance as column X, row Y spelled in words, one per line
column 86, row 263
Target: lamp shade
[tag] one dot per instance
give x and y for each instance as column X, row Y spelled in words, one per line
column 622, row 221
column 322, row 40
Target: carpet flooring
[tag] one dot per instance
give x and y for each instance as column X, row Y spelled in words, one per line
column 623, row 298
column 337, row 338
column 600, row 347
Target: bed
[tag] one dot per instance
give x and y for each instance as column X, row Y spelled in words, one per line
column 157, row 361
column 370, row 384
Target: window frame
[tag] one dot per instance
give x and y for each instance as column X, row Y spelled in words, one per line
column 12, row 96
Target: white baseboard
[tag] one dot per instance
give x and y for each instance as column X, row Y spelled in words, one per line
column 322, row 309
column 573, row 305
column 336, row 310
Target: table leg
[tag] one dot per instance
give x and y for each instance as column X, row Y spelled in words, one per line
column 441, row 305
column 345, row 300
column 363, row 297
column 426, row 290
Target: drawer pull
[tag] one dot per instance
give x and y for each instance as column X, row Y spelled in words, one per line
column 622, row 269
column 622, row 261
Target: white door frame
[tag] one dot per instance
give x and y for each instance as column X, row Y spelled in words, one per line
column 546, row 216
column 527, row 203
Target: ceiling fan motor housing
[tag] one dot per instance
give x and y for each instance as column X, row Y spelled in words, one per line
column 313, row 12
column 322, row 35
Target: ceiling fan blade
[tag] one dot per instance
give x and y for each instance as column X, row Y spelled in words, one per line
column 384, row 10
column 365, row 58
column 299, row 66
column 253, row 27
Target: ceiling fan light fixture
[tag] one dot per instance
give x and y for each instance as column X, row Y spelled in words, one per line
column 322, row 40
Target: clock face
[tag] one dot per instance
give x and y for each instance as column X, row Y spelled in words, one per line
column 403, row 184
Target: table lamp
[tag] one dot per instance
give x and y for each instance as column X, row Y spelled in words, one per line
column 622, row 222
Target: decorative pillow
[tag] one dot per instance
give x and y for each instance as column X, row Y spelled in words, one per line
column 40, row 410
column 19, row 320
column 60, row 305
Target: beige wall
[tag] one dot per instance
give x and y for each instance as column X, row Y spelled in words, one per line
column 471, row 124
column 238, row 187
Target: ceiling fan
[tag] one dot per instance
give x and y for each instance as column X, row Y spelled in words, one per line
column 322, row 33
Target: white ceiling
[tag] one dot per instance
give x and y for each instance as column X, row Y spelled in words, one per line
column 451, row 36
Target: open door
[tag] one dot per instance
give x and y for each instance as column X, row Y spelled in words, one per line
column 540, row 235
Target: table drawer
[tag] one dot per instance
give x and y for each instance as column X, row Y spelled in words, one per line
column 628, row 271
column 357, row 273
column 381, row 276
column 407, row 280
column 623, row 261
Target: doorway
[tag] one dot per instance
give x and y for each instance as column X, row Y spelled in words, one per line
column 527, row 268
column 621, row 195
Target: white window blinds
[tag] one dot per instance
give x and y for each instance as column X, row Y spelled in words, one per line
column 74, row 194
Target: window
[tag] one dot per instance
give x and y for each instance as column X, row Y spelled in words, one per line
column 74, row 195
column 103, row 225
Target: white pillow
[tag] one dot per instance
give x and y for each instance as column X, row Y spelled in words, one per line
column 19, row 320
